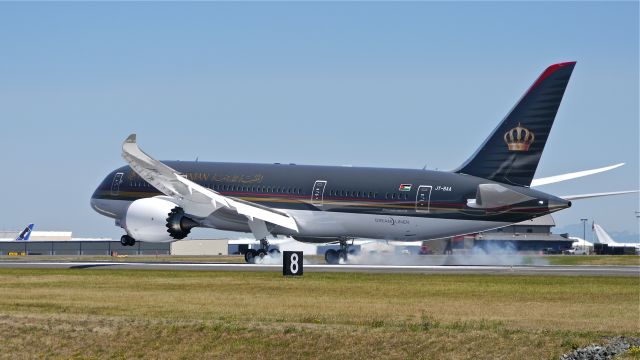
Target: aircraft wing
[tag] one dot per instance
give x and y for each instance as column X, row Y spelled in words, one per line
column 587, row 196
column 573, row 175
column 195, row 199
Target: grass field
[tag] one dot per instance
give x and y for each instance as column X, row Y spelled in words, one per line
column 183, row 314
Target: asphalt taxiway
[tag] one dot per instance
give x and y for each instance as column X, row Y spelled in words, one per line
column 590, row 270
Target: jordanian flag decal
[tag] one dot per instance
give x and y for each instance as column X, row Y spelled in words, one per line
column 405, row 187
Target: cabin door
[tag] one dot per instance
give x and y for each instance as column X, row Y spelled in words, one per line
column 317, row 194
column 115, row 185
column 423, row 198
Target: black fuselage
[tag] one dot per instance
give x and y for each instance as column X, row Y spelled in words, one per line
column 380, row 191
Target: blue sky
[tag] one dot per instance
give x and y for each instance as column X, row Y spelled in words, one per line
column 371, row 84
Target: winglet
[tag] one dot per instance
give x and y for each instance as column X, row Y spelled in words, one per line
column 131, row 139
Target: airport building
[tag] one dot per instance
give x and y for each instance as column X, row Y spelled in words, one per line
column 528, row 236
column 62, row 243
column 531, row 236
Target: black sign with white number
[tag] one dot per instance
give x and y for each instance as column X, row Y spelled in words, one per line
column 292, row 263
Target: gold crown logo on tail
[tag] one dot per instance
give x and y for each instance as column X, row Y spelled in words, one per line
column 519, row 138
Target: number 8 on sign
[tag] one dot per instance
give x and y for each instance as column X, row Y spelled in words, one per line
column 292, row 263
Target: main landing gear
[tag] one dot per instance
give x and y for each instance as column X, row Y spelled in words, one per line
column 127, row 240
column 251, row 255
column 332, row 256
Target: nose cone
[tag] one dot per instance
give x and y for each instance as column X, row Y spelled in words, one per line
column 102, row 200
column 100, row 205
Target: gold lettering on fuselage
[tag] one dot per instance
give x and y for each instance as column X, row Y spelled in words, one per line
column 197, row 176
column 202, row 177
column 242, row 179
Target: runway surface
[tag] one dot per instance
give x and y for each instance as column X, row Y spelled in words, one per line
column 424, row 269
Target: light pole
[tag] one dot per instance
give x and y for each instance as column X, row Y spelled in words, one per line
column 584, row 234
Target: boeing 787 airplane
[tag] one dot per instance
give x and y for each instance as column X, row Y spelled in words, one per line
column 161, row 201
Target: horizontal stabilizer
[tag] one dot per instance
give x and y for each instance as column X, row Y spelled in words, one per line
column 573, row 175
column 490, row 196
column 587, row 196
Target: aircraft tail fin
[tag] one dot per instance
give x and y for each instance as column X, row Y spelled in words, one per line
column 26, row 233
column 511, row 153
column 602, row 235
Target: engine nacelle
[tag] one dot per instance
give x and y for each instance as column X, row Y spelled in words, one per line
column 157, row 220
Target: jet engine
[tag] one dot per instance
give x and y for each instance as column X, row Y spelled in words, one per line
column 157, row 220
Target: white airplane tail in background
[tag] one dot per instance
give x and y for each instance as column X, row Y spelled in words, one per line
column 602, row 235
column 604, row 238
column 25, row 234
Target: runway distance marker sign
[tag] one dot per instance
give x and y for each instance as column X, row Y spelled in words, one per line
column 292, row 263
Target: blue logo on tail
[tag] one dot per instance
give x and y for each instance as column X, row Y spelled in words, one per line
column 26, row 233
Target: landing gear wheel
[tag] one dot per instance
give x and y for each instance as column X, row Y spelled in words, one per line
column 331, row 257
column 249, row 256
column 262, row 253
column 334, row 256
column 342, row 254
column 273, row 252
column 127, row 240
